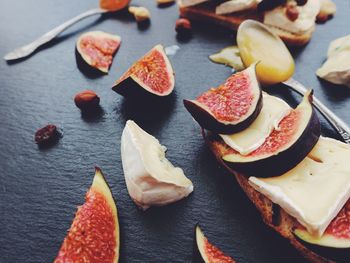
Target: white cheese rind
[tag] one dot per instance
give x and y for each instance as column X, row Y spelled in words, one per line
column 307, row 16
column 235, row 6
column 336, row 69
column 271, row 114
column 316, row 189
column 150, row 178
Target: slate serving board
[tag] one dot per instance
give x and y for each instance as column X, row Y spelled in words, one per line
column 41, row 188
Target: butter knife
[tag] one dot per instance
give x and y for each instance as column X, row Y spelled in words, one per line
column 30, row 48
column 339, row 125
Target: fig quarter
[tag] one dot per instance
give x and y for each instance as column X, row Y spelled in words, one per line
column 86, row 99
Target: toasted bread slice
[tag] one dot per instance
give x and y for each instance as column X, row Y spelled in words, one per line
column 272, row 215
column 206, row 12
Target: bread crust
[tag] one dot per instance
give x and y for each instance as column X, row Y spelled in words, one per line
column 206, row 12
column 272, row 215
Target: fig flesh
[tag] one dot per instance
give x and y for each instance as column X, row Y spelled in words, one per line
column 285, row 147
column 94, row 233
column 208, row 252
column 231, row 107
column 334, row 244
column 97, row 48
column 150, row 75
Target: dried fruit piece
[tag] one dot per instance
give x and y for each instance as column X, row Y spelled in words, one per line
column 46, row 134
column 292, row 11
column 86, row 99
column 113, row 5
column 94, row 233
column 140, row 13
column 150, row 75
column 328, row 9
column 298, row 133
column 183, row 26
column 97, row 48
column 208, row 252
column 231, row 107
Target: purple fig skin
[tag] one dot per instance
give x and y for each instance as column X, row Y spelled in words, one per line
column 340, row 255
column 208, row 121
column 278, row 164
column 130, row 88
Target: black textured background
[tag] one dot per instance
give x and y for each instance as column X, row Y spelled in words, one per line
column 41, row 188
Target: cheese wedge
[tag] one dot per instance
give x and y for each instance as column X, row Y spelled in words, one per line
column 150, row 178
column 248, row 140
column 336, row 69
column 316, row 189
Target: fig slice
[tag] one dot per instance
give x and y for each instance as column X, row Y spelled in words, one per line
column 334, row 244
column 208, row 252
column 231, row 107
column 94, row 233
column 97, row 48
column 150, row 178
column 150, row 75
column 285, row 147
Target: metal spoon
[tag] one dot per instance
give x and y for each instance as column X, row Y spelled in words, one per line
column 31, row 47
column 340, row 126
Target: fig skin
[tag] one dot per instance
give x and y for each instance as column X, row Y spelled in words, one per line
column 209, row 122
column 132, row 87
column 340, row 255
column 274, row 165
column 212, row 124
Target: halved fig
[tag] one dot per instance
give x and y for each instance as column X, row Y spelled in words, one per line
column 97, row 48
column 94, row 233
column 150, row 75
column 334, row 244
column 232, row 106
column 208, row 253
column 286, row 146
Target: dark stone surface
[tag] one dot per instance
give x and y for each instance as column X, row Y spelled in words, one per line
column 41, row 188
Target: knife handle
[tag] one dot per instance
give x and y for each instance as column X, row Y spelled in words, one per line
column 29, row 48
column 338, row 124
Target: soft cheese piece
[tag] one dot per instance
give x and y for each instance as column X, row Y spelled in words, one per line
column 315, row 190
column 235, row 6
column 185, row 3
column 305, row 22
column 150, row 178
column 248, row 140
column 336, row 69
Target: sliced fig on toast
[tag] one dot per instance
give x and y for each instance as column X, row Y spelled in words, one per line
column 232, row 106
column 206, row 252
column 150, row 75
column 334, row 244
column 297, row 134
column 97, row 48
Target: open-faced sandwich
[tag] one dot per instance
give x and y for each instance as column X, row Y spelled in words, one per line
column 293, row 21
column 298, row 180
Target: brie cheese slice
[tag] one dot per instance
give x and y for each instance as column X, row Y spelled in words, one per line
column 235, row 6
column 315, row 190
column 271, row 114
column 150, row 178
column 336, row 69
